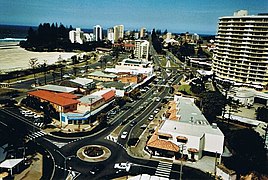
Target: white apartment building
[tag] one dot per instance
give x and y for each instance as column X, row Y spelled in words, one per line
column 142, row 49
column 110, row 34
column 76, row 36
column 118, row 32
column 97, row 31
column 241, row 53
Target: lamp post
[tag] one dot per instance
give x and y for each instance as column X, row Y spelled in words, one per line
column 65, row 160
column 182, row 148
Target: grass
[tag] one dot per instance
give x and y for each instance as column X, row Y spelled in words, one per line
column 186, row 88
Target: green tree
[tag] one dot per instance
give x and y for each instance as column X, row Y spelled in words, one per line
column 262, row 114
column 197, row 86
column 212, row 104
column 33, row 62
column 248, row 151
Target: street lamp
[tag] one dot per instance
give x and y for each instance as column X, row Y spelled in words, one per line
column 182, row 148
column 65, row 159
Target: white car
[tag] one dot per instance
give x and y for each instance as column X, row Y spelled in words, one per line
column 158, row 99
column 124, row 135
column 123, row 166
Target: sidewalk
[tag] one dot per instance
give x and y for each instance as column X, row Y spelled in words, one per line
column 34, row 171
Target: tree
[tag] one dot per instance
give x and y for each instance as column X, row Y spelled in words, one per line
column 262, row 114
column 212, row 104
column 33, row 62
column 248, row 151
column 197, row 86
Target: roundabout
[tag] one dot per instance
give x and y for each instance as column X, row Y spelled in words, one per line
column 93, row 153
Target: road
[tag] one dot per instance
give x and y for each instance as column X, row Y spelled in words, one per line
column 60, row 152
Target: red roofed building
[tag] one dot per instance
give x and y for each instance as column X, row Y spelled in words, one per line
column 62, row 102
column 108, row 95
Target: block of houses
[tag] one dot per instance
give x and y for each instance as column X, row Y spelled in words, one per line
column 184, row 130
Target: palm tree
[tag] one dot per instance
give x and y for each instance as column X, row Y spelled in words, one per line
column 33, row 62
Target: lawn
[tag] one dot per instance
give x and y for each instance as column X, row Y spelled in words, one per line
column 186, row 88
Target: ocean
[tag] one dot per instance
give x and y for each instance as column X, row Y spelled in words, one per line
column 13, row 33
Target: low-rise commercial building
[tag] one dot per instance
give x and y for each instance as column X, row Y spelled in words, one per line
column 185, row 130
column 62, row 102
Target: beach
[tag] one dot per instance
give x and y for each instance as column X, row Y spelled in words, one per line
column 13, row 57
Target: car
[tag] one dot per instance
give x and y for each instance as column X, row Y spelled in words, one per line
column 96, row 169
column 123, row 166
column 157, row 99
column 133, row 123
column 124, row 135
column 156, row 111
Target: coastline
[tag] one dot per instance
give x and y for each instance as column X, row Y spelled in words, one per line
column 13, row 57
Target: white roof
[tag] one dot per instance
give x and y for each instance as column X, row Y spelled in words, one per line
column 10, row 163
column 180, row 128
column 82, row 81
column 57, row 88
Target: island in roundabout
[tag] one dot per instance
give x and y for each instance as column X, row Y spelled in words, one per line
column 93, row 153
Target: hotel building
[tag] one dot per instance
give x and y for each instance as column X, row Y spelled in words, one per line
column 76, row 36
column 118, row 32
column 241, row 54
column 141, row 49
column 97, row 31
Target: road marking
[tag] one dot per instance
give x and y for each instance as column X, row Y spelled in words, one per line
column 58, row 144
column 163, row 169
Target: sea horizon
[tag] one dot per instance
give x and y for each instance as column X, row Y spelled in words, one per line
column 24, row 30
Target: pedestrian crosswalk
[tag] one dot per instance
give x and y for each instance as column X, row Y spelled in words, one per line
column 56, row 143
column 111, row 138
column 38, row 124
column 163, row 169
column 35, row 135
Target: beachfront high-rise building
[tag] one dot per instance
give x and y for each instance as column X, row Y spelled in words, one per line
column 142, row 32
column 141, row 49
column 241, row 53
column 97, row 31
column 118, row 32
column 76, row 36
column 110, row 34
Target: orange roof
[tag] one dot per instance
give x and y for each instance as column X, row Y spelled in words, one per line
column 68, row 95
column 129, row 45
column 62, row 99
column 162, row 144
column 107, row 96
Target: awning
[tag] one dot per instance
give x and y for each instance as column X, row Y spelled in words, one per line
column 193, row 150
column 164, row 134
column 10, row 163
column 182, row 138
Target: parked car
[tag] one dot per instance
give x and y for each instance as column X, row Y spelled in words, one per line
column 124, row 135
column 123, row 166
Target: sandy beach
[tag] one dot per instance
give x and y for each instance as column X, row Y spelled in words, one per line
column 13, row 57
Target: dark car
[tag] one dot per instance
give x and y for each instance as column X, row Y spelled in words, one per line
column 96, row 169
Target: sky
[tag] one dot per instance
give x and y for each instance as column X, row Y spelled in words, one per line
column 194, row 16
